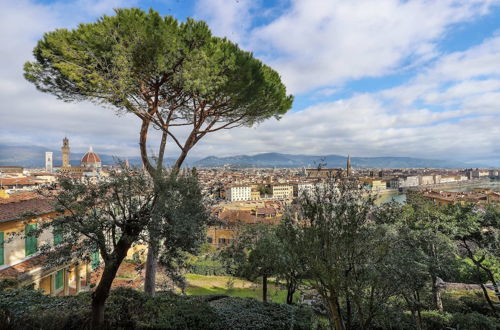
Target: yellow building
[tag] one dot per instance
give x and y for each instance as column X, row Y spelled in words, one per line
column 254, row 194
column 374, row 184
column 282, row 191
column 20, row 260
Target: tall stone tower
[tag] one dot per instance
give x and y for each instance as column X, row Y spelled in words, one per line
column 348, row 166
column 48, row 161
column 65, row 153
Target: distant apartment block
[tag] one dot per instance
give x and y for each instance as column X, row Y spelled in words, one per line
column 476, row 174
column 302, row 188
column 282, row 191
column 404, row 182
column 235, row 193
column 374, row 184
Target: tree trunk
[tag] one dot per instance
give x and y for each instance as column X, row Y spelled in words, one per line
column 490, row 303
column 336, row 320
column 436, row 294
column 479, row 265
column 102, row 290
column 419, row 314
column 349, row 311
column 180, row 160
column 411, row 307
column 291, row 287
column 143, row 137
column 150, row 276
column 264, row 288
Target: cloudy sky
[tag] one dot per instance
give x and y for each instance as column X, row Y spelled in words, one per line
column 370, row 77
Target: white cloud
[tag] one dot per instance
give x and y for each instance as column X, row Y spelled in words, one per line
column 325, row 42
column 227, row 18
column 450, row 110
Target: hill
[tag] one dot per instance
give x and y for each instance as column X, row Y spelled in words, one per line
column 288, row 160
column 33, row 156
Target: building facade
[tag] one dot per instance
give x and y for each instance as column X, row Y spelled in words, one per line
column 20, row 260
column 236, row 193
column 282, row 191
column 49, row 161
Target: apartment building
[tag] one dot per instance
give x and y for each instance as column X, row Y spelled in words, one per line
column 404, row 182
column 236, row 193
column 374, row 184
column 282, row 191
column 302, row 188
column 20, row 260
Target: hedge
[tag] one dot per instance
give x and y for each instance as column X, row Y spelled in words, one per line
column 132, row 309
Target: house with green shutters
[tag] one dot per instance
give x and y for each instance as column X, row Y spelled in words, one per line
column 20, row 260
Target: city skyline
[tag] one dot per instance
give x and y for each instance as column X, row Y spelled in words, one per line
column 414, row 78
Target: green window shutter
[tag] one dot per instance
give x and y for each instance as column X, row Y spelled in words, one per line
column 30, row 241
column 57, row 233
column 59, row 279
column 1, row 249
column 95, row 261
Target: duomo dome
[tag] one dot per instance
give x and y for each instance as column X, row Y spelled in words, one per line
column 91, row 159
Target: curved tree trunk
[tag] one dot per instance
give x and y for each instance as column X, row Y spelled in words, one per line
column 101, row 293
column 143, row 137
column 487, row 297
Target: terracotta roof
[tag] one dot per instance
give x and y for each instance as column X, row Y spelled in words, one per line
column 16, row 271
column 20, row 181
column 15, row 207
column 240, row 216
column 90, row 157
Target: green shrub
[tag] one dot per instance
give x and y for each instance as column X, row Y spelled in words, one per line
column 207, row 267
column 132, row 309
column 170, row 311
column 474, row 321
column 30, row 309
column 434, row 320
column 248, row 313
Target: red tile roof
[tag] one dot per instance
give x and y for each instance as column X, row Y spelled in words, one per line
column 16, row 271
column 17, row 205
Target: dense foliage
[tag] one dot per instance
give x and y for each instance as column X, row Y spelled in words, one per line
column 381, row 266
column 131, row 309
column 110, row 215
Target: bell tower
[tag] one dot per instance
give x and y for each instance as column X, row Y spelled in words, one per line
column 65, row 153
column 348, row 165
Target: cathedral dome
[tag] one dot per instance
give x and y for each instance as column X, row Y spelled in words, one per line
column 90, row 159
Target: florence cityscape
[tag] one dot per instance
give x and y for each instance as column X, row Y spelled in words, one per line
column 237, row 164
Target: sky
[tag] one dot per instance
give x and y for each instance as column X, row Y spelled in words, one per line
column 413, row 78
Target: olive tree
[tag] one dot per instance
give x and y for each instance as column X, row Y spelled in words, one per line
column 175, row 77
column 343, row 251
column 110, row 216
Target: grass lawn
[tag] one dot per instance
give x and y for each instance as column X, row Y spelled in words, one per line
column 232, row 286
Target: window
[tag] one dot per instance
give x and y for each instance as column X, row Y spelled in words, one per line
column 59, row 279
column 1, row 249
column 57, row 233
column 95, row 261
column 209, row 240
column 30, row 240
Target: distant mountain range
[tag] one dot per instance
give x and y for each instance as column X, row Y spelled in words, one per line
column 287, row 160
column 33, row 156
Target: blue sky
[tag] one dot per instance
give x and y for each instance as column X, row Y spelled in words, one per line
column 414, row 78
